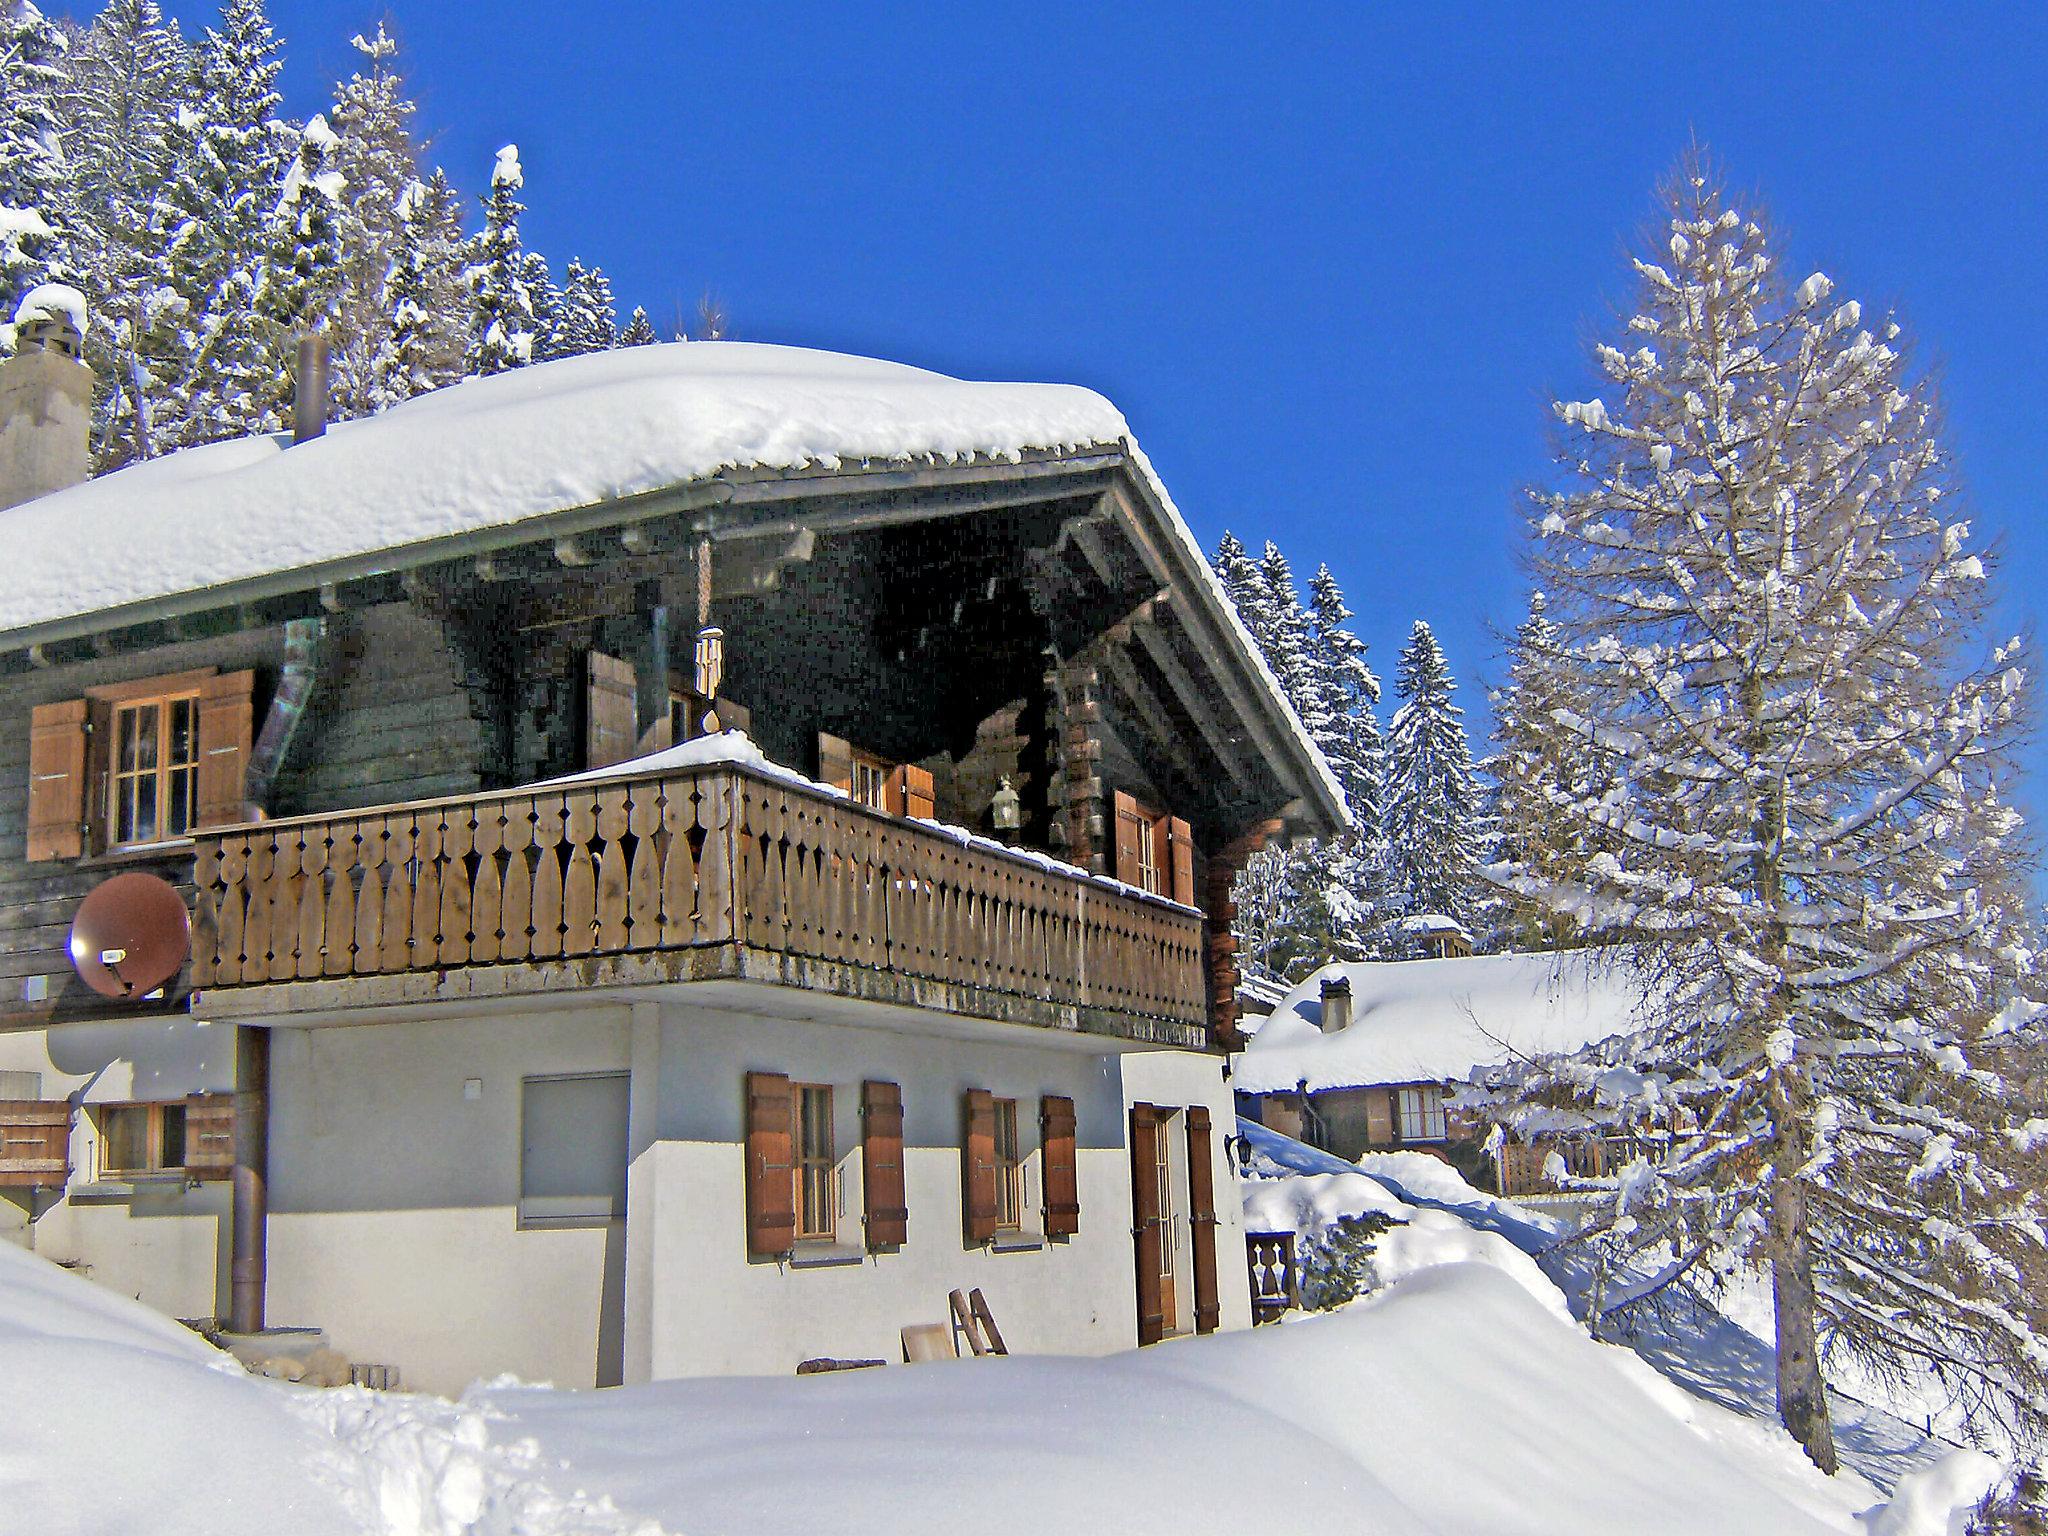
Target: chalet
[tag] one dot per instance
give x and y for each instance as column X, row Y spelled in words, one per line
column 1394, row 1055
column 691, row 856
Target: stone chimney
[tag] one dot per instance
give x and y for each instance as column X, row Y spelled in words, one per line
column 1336, row 1004
column 45, row 406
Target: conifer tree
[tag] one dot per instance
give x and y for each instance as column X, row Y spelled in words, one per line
column 379, row 164
column 585, row 319
column 501, row 320
column 426, row 294
column 300, row 277
column 1771, row 623
column 545, row 299
column 1432, row 799
column 639, row 331
column 33, row 226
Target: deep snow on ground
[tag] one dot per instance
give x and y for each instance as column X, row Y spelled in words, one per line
column 1460, row 1397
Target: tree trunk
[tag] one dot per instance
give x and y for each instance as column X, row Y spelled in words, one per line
column 1802, row 1395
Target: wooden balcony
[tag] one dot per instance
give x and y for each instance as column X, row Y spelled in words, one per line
column 693, row 875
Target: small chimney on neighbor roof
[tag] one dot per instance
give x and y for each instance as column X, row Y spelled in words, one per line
column 1336, row 1004
column 309, row 394
column 45, row 398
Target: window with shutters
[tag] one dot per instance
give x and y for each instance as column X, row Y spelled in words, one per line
column 1154, row 850
column 141, row 1139
column 817, row 1162
column 1422, row 1114
column 871, row 780
column 153, row 781
column 1009, row 1168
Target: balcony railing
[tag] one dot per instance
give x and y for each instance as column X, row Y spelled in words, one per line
column 718, row 856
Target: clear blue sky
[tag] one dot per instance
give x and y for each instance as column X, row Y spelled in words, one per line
column 1328, row 260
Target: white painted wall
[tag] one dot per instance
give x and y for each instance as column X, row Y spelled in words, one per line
column 394, row 1220
column 697, row 1304
column 167, row 1244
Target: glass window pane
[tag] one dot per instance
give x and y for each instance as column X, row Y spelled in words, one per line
column 184, row 736
column 173, row 1151
column 124, row 1132
column 145, row 736
column 178, row 810
column 144, row 828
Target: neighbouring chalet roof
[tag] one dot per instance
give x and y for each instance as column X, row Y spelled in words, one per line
column 523, row 454
column 1418, row 1021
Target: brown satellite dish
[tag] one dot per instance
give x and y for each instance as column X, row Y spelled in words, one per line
column 130, row 936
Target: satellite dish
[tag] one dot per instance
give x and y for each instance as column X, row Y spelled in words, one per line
column 131, row 935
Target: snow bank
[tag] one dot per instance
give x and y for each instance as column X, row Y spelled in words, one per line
column 1439, row 1020
column 1939, row 1500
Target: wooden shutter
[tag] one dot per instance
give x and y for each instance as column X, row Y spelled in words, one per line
column 227, row 719
column 1062, row 1177
column 835, row 762
column 210, row 1135
column 35, row 1143
column 909, row 792
column 978, row 1167
column 56, row 781
column 1202, row 1219
column 881, row 1165
column 1180, row 862
column 611, row 714
column 1145, row 1222
column 771, row 1177
column 1130, row 827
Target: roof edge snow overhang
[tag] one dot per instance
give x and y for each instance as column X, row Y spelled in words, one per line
column 751, row 502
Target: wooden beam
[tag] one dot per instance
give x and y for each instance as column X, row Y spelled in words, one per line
column 1145, row 704
column 1159, row 651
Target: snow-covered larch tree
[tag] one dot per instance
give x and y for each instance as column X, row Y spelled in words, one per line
column 501, row 324
column 1432, row 799
column 1770, row 617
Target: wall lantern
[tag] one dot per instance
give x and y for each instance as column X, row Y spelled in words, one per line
column 1006, row 811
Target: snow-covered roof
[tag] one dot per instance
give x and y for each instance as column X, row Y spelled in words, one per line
column 1418, row 1021
column 491, row 453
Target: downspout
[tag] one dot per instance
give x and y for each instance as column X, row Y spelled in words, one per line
column 247, row 1257
column 304, row 640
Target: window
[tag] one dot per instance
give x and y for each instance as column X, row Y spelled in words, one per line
column 817, row 1165
column 871, row 780
column 1009, row 1168
column 142, row 1138
column 572, row 1148
column 1154, row 850
column 1422, row 1114
column 154, row 780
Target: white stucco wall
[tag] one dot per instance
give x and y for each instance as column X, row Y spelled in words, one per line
column 166, row 1244
column 394, row 1219
column 696, row 1302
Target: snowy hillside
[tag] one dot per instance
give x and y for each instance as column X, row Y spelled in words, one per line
column 1459, row 1398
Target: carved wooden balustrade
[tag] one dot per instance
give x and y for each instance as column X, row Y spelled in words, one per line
column 698, row 858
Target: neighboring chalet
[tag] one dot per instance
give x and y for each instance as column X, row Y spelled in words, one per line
column 1375, row 1057
column 693, row 854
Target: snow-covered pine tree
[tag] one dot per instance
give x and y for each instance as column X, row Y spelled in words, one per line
column 639, row 331
column 300, row 279
column 224, row 189
column 1772, row 619
column 426, row 293
column 585, row 318
column 1281, row 625
column 501, row 318
column 546, row 301
column 126, row 76
column 33, row 194
column 379, row 163
column 1432, row 798
column 1239, row 574
column 1343, row 691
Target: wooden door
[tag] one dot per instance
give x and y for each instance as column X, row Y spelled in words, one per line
column 1169, row 1233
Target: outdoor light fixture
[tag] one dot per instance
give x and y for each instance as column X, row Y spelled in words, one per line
column 1006, row 810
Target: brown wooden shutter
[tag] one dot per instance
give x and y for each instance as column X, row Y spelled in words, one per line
column 1130, row 827
column 1180, row 862
column 909, row 792
column 1202, row 1219
column 56, row 781
column 1062, row 1177
column 835, row 762
column 881, row 1165
column 771, row 1176
column 1145, row 1222
column 227, row 720
column 35, row 1143
column 978, row 1167
column 611, row 712
column 210, row 1135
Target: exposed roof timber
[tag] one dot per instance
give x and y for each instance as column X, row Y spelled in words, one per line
column 1212, row 635
column 1215, row 731
column 1145, row 704
column 739, row 504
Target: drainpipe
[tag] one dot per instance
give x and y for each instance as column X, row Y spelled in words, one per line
column 252, row 1167
column 303, row 640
